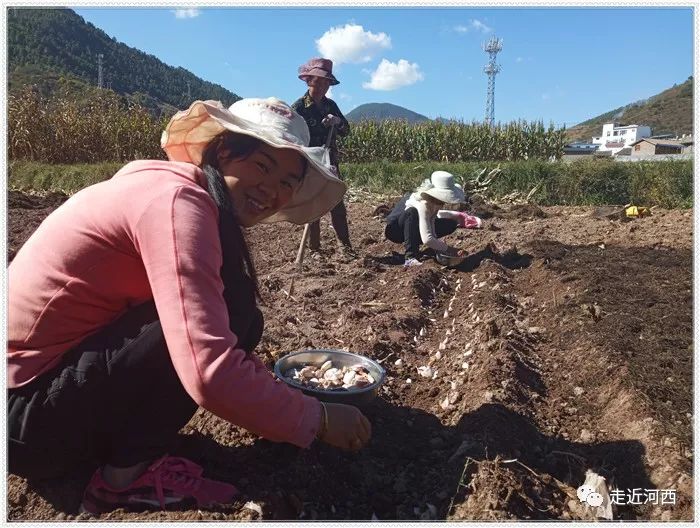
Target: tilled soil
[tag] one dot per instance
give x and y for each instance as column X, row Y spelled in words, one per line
column 562, row 344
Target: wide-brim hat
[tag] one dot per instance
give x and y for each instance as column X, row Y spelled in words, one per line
column 272, row 121
column 444, row 188
column 318, row 67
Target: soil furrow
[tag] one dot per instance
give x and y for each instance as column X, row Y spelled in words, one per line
column 562, row 344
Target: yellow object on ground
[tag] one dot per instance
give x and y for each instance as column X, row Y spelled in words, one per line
column 634, row 211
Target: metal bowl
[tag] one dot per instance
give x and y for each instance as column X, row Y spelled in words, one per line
column 449, row 260
column 340, row 359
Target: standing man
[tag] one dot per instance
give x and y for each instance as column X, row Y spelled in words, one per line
column 321, row 113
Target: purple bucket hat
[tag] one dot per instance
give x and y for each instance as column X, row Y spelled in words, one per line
column 318, row 67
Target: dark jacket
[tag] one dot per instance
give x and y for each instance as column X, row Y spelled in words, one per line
column 313, row 114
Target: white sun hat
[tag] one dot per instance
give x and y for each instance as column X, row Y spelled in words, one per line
column 272, row 121
column 442, row 187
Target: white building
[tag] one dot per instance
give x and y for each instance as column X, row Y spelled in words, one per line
column 615, row 137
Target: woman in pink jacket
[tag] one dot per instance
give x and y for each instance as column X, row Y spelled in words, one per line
column 135, row 302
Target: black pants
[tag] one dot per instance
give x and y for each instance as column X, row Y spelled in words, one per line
column 339, row 221
column 404, row 227
column 114, row 399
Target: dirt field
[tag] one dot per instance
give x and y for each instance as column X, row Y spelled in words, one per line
column 564, row 343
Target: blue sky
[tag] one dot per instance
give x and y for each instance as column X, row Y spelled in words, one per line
column 561, row 65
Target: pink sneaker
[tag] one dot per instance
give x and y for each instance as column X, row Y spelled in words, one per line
column 169, row 483
column 468, row 221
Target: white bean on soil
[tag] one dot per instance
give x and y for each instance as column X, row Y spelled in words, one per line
column 328, row 377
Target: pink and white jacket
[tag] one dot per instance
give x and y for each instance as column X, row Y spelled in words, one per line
column 150, row 232
column 427, row 212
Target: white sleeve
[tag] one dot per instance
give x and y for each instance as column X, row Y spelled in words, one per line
column 426, row 224
column 452, row 215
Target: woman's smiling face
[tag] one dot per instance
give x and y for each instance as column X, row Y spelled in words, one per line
column 262, row 183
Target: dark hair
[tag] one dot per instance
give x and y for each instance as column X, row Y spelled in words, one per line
column 237, row 270
column 238, row 273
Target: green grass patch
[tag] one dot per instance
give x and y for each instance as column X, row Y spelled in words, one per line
column 45, row 177
column 586, row 182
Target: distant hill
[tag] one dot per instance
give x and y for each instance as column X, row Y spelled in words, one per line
column 57, row 49
column 669, row 112
column 382, row 112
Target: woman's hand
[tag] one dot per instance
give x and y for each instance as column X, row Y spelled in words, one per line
column 347, row 427
column 331, row 120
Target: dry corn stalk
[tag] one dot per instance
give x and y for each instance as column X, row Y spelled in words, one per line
column 518, row 198
column 481, row 182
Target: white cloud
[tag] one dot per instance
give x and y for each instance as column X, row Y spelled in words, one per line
column 187, row 13
column 475, row 25
column 344, row 96
column 546, row 97
column 329, row 93
column 519, row 59
column 351, row 44
column 390, row 75
column 479, row 26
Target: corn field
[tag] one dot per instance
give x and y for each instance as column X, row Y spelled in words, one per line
column 451, row 142
column 104, row 127
column 66, row 130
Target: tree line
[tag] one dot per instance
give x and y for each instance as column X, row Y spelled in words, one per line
column 57, row 42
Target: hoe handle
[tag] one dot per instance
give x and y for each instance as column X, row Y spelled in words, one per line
column 302, row 247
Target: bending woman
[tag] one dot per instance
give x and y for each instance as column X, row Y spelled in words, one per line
column 418, row 218
column 135, row 302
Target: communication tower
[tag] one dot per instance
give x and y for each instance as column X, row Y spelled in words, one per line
column 492, row 47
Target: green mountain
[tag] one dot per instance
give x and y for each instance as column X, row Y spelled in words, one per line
column 382, row 112
column 55, row 49
column 669, row 112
